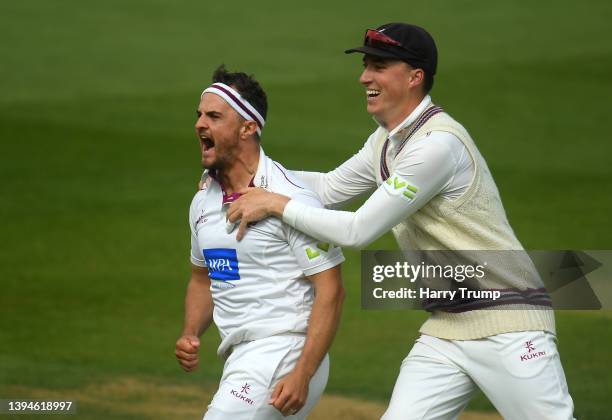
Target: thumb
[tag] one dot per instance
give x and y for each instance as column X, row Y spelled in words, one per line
column 194, row 341
column 241, row 229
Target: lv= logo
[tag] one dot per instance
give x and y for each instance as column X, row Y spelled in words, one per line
column 321, row 246
column 409, row 191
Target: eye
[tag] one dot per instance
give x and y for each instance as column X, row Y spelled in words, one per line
column 198, row 114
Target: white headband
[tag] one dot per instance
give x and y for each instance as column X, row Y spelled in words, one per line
column 236, row 101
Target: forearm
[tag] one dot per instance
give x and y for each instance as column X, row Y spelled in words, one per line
column 351, row 229
column 324, row 320
column 357, row 229
column 198, row 308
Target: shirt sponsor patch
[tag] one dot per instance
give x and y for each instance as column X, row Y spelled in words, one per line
column 396, row 185
column 314, row 253
column 222, row 264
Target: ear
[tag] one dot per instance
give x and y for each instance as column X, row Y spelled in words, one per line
column 416, row 77
column 248, row 129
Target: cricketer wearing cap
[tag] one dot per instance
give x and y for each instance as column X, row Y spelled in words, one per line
column 275, row 296
column 433, row 189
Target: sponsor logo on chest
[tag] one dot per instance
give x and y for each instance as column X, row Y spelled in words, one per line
column 222, row 264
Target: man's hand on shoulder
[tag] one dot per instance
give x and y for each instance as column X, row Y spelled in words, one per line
column 290, row 393
column 186, row 351
column 255, row 204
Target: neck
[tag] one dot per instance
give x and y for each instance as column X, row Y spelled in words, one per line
column 239, row 174
column 402, row 113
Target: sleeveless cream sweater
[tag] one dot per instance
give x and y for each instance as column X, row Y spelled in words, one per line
column 474, row 221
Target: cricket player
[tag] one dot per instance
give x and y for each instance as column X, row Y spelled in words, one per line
column 276, row 296
column 433, row 189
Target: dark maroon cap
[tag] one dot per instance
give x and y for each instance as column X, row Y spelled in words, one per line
column 416, row 46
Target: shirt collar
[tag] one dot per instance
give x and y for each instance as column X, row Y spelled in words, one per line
column 262, row 175
column 399, row 131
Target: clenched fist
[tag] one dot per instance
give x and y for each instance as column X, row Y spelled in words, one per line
column 186, row 351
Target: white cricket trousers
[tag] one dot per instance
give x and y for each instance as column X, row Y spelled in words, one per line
column 519, row 372
column 252, row 371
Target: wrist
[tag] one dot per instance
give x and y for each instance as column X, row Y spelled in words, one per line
column 190, row 332
column 304, row 371
column 277, row 205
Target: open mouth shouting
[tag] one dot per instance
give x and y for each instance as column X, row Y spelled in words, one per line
column 207, row 143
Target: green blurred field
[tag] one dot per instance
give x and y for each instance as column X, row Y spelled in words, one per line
column 99, row 164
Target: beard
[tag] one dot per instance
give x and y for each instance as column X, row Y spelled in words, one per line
column 224, row 156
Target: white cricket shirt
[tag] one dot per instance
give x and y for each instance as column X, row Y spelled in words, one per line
column 258, row 285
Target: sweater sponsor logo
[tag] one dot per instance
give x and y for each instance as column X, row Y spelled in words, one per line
column 531, row 352
column 396, row 185
column 222, row 264
column 242, row 394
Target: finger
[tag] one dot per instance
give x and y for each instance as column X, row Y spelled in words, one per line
column 183, row 355
column 189, row 365
column 184, row 344
column 277, row 391
column 229, row 227
column 234, row 212
column 288, row 407
column 242, row 229
column 188, row 362
column 281, row 401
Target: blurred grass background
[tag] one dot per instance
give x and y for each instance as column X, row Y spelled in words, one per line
column 100, row 162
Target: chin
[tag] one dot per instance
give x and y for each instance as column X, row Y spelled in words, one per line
column 212, row 164
column 208, row 164
column 374, row 112
column 373, row 109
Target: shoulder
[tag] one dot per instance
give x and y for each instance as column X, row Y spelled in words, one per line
column 434, row 144
column 197, row 202
column 445, row 122
column 379, row 135
column 286, row 183
column 443, row 139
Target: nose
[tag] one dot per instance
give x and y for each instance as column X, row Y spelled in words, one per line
column 366, row 76
column 201, row 123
